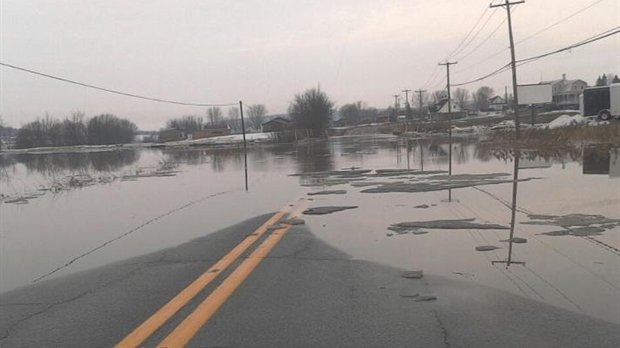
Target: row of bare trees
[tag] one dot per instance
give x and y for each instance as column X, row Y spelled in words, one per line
column 104, row 129
column 215, row 117
column 480, row 97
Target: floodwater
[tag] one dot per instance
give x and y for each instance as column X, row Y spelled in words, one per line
column 125, row 203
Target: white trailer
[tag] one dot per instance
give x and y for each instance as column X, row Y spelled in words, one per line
column 603, row 101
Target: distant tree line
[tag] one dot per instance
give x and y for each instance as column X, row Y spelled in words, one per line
column 358, row 112
column 607, row 79
column 104, row 129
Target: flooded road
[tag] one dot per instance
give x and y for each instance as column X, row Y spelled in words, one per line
column 126, row 203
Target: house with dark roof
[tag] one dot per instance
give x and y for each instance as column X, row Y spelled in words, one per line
column 566, row 92
column 441, row 110
column 277, row 124
column 497, row 103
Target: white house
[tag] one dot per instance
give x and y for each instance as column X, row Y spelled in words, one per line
column 442, row 107
column 566, row 92
column 497, row 103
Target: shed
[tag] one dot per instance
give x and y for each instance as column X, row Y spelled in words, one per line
column 277, row 124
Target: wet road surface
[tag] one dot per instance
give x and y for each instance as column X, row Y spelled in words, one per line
column 304, row 293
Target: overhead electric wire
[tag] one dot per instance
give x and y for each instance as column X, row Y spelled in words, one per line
column 469, row 33
column 529, row 37
column 432, row 77
column 594, row 38
column 477, row 33
column 485, row 40
column 524, row 61
column 560, row 21
column 111, row 90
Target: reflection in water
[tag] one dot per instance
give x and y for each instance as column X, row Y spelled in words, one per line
column 598, row 159
column 57, row 163
column 315, row 157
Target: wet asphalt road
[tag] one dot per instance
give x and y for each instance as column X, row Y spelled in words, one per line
column 304, row 294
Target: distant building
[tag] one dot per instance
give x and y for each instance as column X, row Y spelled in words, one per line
column 210, row 131
column 441, row 110
column 171, row 134
column 277, row 124
column 497, row 103
column 566, row 92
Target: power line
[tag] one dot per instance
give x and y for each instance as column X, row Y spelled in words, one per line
column 467, row 36
column 111, row 90
column 485, row 40
column 529, row 37
column 595, row 38
column 433, row 74
column 477, row 33
column 560, row 21
column 524, row 61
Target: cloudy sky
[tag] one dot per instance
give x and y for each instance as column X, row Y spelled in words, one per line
column 221, row 51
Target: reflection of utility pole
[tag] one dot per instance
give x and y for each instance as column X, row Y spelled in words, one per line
column 419, row 92
column 421, row 156
column 515, row 96
column 515, row 103
column 509, row 261
column 447, row 64
column 245, row 149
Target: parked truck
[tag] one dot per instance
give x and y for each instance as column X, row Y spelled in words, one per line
column 603, row 101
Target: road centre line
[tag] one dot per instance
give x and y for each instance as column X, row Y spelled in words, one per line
column 188, row 328
column 159, row 318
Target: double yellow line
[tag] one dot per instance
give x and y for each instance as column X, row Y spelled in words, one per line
column 185, row 331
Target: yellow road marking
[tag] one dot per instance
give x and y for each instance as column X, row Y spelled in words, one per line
column 183, row 333
column 144, row 331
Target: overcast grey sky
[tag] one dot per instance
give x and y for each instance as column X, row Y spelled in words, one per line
column 266, row 51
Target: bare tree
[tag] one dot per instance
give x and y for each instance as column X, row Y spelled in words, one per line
column 311, row 110
column 256, row 113
column 462, row 97
column 234, row 120
column 481, row 97
column 189, row 123
column 351, row 113
column 215, row 115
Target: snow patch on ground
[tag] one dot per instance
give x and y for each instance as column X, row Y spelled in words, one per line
column 227, row 139
column 566, row 120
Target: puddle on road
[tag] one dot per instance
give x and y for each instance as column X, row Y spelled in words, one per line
column 385, row 177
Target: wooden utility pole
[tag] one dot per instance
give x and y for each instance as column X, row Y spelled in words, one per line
column 447, row 64
column 419, row 92
column 395, row 100
column 515, row 103
column 513, row 63
column 406, row 95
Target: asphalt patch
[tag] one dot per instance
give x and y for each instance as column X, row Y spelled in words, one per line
column 326, row 210
column 460, row 224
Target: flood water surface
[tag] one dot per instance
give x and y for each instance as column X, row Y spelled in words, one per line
column 68, row 212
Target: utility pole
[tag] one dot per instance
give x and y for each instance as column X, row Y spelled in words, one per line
column 419, row 92
column 407, row 116
column 396, row 100
column 517, row 153
column 515, row 97
column 447, row 64
column 406, row 95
